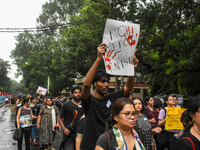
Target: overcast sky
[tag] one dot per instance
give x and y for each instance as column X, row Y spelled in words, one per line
column 16, row 14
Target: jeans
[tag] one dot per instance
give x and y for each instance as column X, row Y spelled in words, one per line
column 34, row 132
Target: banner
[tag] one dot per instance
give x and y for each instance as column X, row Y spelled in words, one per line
column 173, row 119
column 41, row 90
column 121, row 39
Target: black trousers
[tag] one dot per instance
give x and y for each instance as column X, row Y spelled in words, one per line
column 68, row 143
column 26, row 134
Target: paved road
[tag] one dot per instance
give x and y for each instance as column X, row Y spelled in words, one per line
column 7, row 128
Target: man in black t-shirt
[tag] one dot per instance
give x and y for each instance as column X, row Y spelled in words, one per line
column 97, row 106
column 70, row 112
column 12, row 102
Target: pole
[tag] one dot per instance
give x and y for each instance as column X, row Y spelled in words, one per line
column 48, row 80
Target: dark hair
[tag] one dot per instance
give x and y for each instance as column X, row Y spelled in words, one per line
column 49, row 97
column 100, row 74
column 157, row 103
column 186, row 120
column 117, row 106
column 32, row 98
column 146, row 99
column 20, row 97
column 174, row 96
column 75, row 88
column 193, row 106
column 25, row 100
column 166, row 99
column 141, row 102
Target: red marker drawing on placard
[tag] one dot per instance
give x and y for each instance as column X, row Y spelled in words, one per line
column 130, row 39
column 108, row 58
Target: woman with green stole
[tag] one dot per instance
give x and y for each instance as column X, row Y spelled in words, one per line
column 121, row 136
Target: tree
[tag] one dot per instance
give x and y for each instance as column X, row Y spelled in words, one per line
column 168, row 42
column 5, row 82
column 69, row 32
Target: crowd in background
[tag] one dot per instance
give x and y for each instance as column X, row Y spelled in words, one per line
column 150, row 114
column 43, row 111
column 106, row 121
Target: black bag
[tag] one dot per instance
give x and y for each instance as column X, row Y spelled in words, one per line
column 17, row 135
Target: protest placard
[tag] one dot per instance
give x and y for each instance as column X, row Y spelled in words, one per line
column 41, row 90
column 173, row 119
column 121, row 39
column 25, row 120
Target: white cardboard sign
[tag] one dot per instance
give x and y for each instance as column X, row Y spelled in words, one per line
column 121, row 39
column 41, row 90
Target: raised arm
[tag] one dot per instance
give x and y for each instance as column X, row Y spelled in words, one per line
column 91, row 73
column 131, row 79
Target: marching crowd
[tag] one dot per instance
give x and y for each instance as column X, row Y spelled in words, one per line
column 103, row 120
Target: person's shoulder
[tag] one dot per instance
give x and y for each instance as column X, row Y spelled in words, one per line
column 67, row 103
column 121, row 91
column 56, row 108
column 154, row 109
column 92, row 99
column 162, row 110
column 104, row 137
column 146, row 108
column 183, row 142
column 114, row 95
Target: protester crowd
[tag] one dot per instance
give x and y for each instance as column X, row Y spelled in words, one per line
column 103, row 120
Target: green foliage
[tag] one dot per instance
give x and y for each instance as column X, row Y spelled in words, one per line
column 65, row 50
column 5, row 81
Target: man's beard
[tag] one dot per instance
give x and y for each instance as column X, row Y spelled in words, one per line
column 77, row 99
column 102, row 93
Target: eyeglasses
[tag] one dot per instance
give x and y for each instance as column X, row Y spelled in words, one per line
column 172, row 100
column 128, row 114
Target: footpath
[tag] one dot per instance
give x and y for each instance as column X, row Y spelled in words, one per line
column 7, row 128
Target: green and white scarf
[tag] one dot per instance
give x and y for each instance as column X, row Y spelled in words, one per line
column 121, row 144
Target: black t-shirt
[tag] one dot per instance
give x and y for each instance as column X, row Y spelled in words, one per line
column 13, row 100
column 97, row 112
column 58, row 105
column 107, row 141
column 81, row 126
column 185, row 144
column 67, row 114
column 35, row 111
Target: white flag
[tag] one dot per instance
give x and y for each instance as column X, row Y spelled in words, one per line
column 41, row 90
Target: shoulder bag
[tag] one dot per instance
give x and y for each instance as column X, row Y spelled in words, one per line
column 17, row 134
